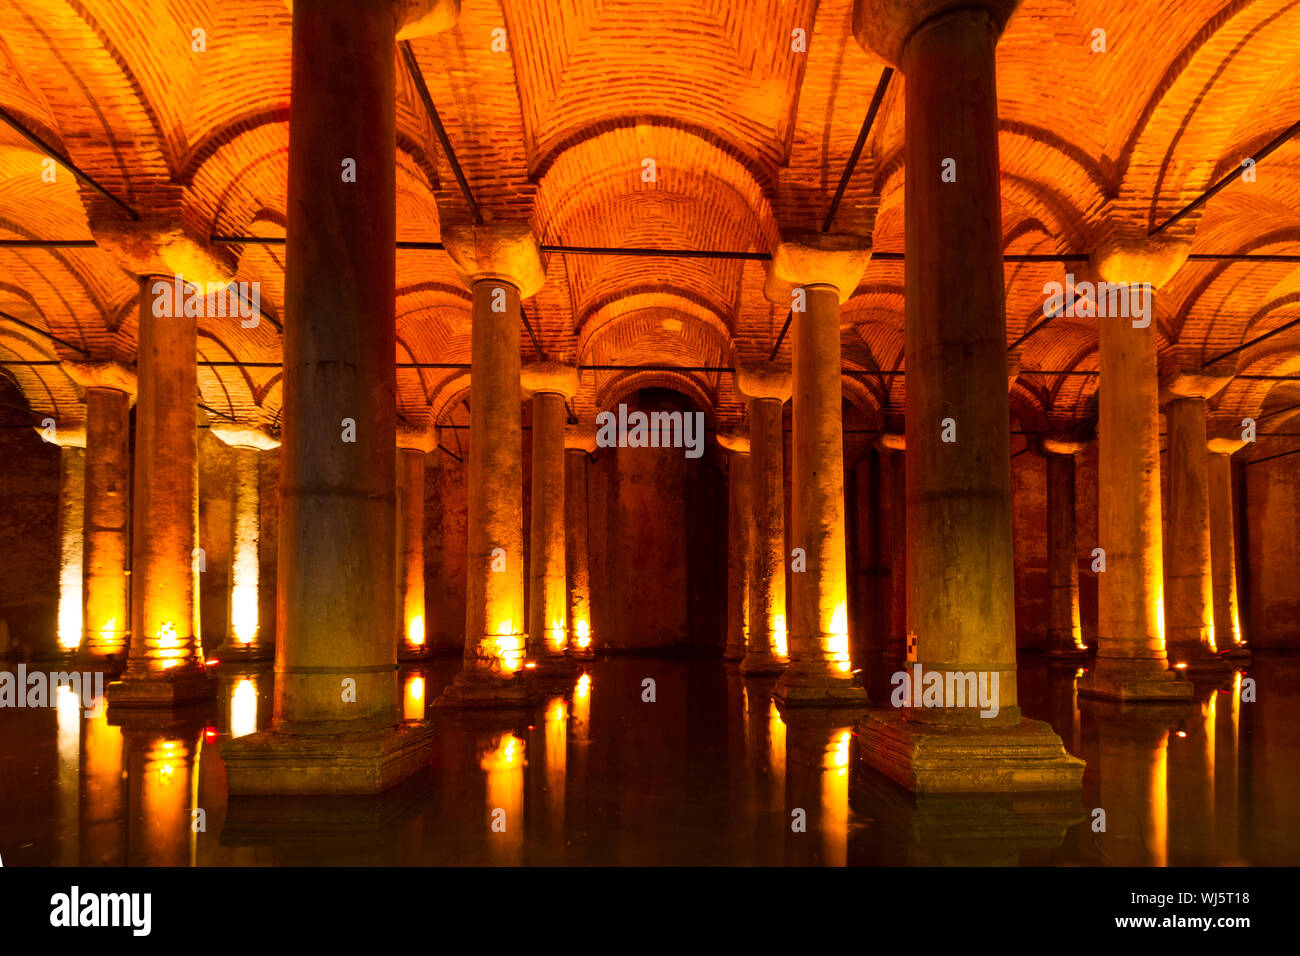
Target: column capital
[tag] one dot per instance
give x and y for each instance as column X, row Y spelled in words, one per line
column 70, row 435
column 554, row 377
column 1193, row 384
column 507, row 253
column 1066, row 443
column 755, row 380
column 891, row 441
column 1122, row 256
column 884, row 26
column 162, row 247
column 418, row 18
column 106, row 374
column 1225, row 446
column 834, row 259
column 416, row 438
column 580, row 437
column 734, row 438
column 241, row 435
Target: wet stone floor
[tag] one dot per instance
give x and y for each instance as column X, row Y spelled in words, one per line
column 710, row 772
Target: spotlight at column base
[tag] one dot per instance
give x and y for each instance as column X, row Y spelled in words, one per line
column 1028, row 756
column 487, row 689
column 818, row 685
column 1133, row 681
column 417, row 652
column 166, row 691
column 271, row 763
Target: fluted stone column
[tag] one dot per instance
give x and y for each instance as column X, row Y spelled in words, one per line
column 1064, row 630
column 740, row 520
column 1189, row 576
column 892, row 502
column 502, row 266
column 1223, row 547
column 961, row 607
column 1131, row 663
column 550, row 385
column 579, row 442
column 766, row 389
column 817, row 274
column 165, row 660
column 110, row 390
column 413, row 449
column 335, row 726
column 244, row 634
column 71, row 440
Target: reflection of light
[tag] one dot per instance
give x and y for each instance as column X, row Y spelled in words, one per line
column 557, row 634
column 583, row 687
column 415, row 631
column 776, row 742
column 243, row 611
column 1181, row 666
column 1080, row 672
column 838, row 643
column 243, row 708
column 108, row 633
column 581, row 707
column 169, row 645
column 413, row 698
column 557, row 709
column 779, row 635
column 840, row 757
column 507, row 754
column 583, row 630
column 70, row 603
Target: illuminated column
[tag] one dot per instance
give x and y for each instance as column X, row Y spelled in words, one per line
column 1131, row 663
column 336, row 722
column 243, row 635
column 766, row 390
column 579, row 442
column 960, row 600
column 110, row 390
column 740, row 520
column 550, row 384
column 503, row 266
column 164, row 664
column 816, row 277
column 1223, row 546
column 71, row 528
column 892, row 504
column 1189, row 577
column 413, row 447
column 1064, row 631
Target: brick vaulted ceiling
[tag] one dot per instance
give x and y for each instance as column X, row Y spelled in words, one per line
column 749, row 137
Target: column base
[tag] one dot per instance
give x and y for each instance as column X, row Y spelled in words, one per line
column 1129, row 683
column 733, row 653
column 1028, row 756
column 1070, row 653
column 761, row 665
column 268, row 763
column 1238, row 653
column 408, row 655
column 477, row 689
column 245, row 652
column 108, row 664
column 802, row 687
column 161, row 692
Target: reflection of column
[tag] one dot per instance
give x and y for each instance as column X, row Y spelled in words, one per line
column 1064, row 631
column 412, row 449
column 164, row 664
column 892, row 507
column 579, row 441
column 110, row 389
column 503, row 266
column 1193, row 815
column 501, row 759
column 818, row 276
column 1223, row 547
column 817, row 783
column 766, row 389
column 243, row 639
column 1131, row 663
column 1189, row 577
column 72, row 509
column 740, row 519
column 101, row 824
column 961, row 605
column 160, row 768
column 335, row 727
column 551, row 385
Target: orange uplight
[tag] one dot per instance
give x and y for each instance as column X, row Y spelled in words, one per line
column 779, row 636
column 838, row 641
column 583, row 688
column 415, row 631
column 509, row 647
column 583, row 631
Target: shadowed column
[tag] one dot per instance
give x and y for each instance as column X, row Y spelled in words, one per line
column 892, row 504
column 740, row 518
column 71, row 439
column 1223, row 547
column 579, row 441
column 413, row 447
column 1064, row 630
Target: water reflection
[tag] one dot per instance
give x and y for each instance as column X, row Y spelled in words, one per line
column 709, row 772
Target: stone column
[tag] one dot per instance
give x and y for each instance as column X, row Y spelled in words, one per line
column 740, row 520
column 550, row 384
column 335, row 724
column 71, row 440
column 961, row 605
column 502, row 266
column 892, row 504
column 413, row 448
column 1131, row 663
column 244, row 637
column 1064, row 630
column 1189, row 577
column 816, row 275
column 165, row 661
column 1223, row 546
column 110, row 390
column 766, row 389
column 579, row 442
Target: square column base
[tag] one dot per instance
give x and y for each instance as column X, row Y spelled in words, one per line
column 268, row 763
column 161, row 692
column 798, row 688
column 1028, row 756
column 1124, row 684
column 474, row 689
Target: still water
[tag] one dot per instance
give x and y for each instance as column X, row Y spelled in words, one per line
column 710, row 772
